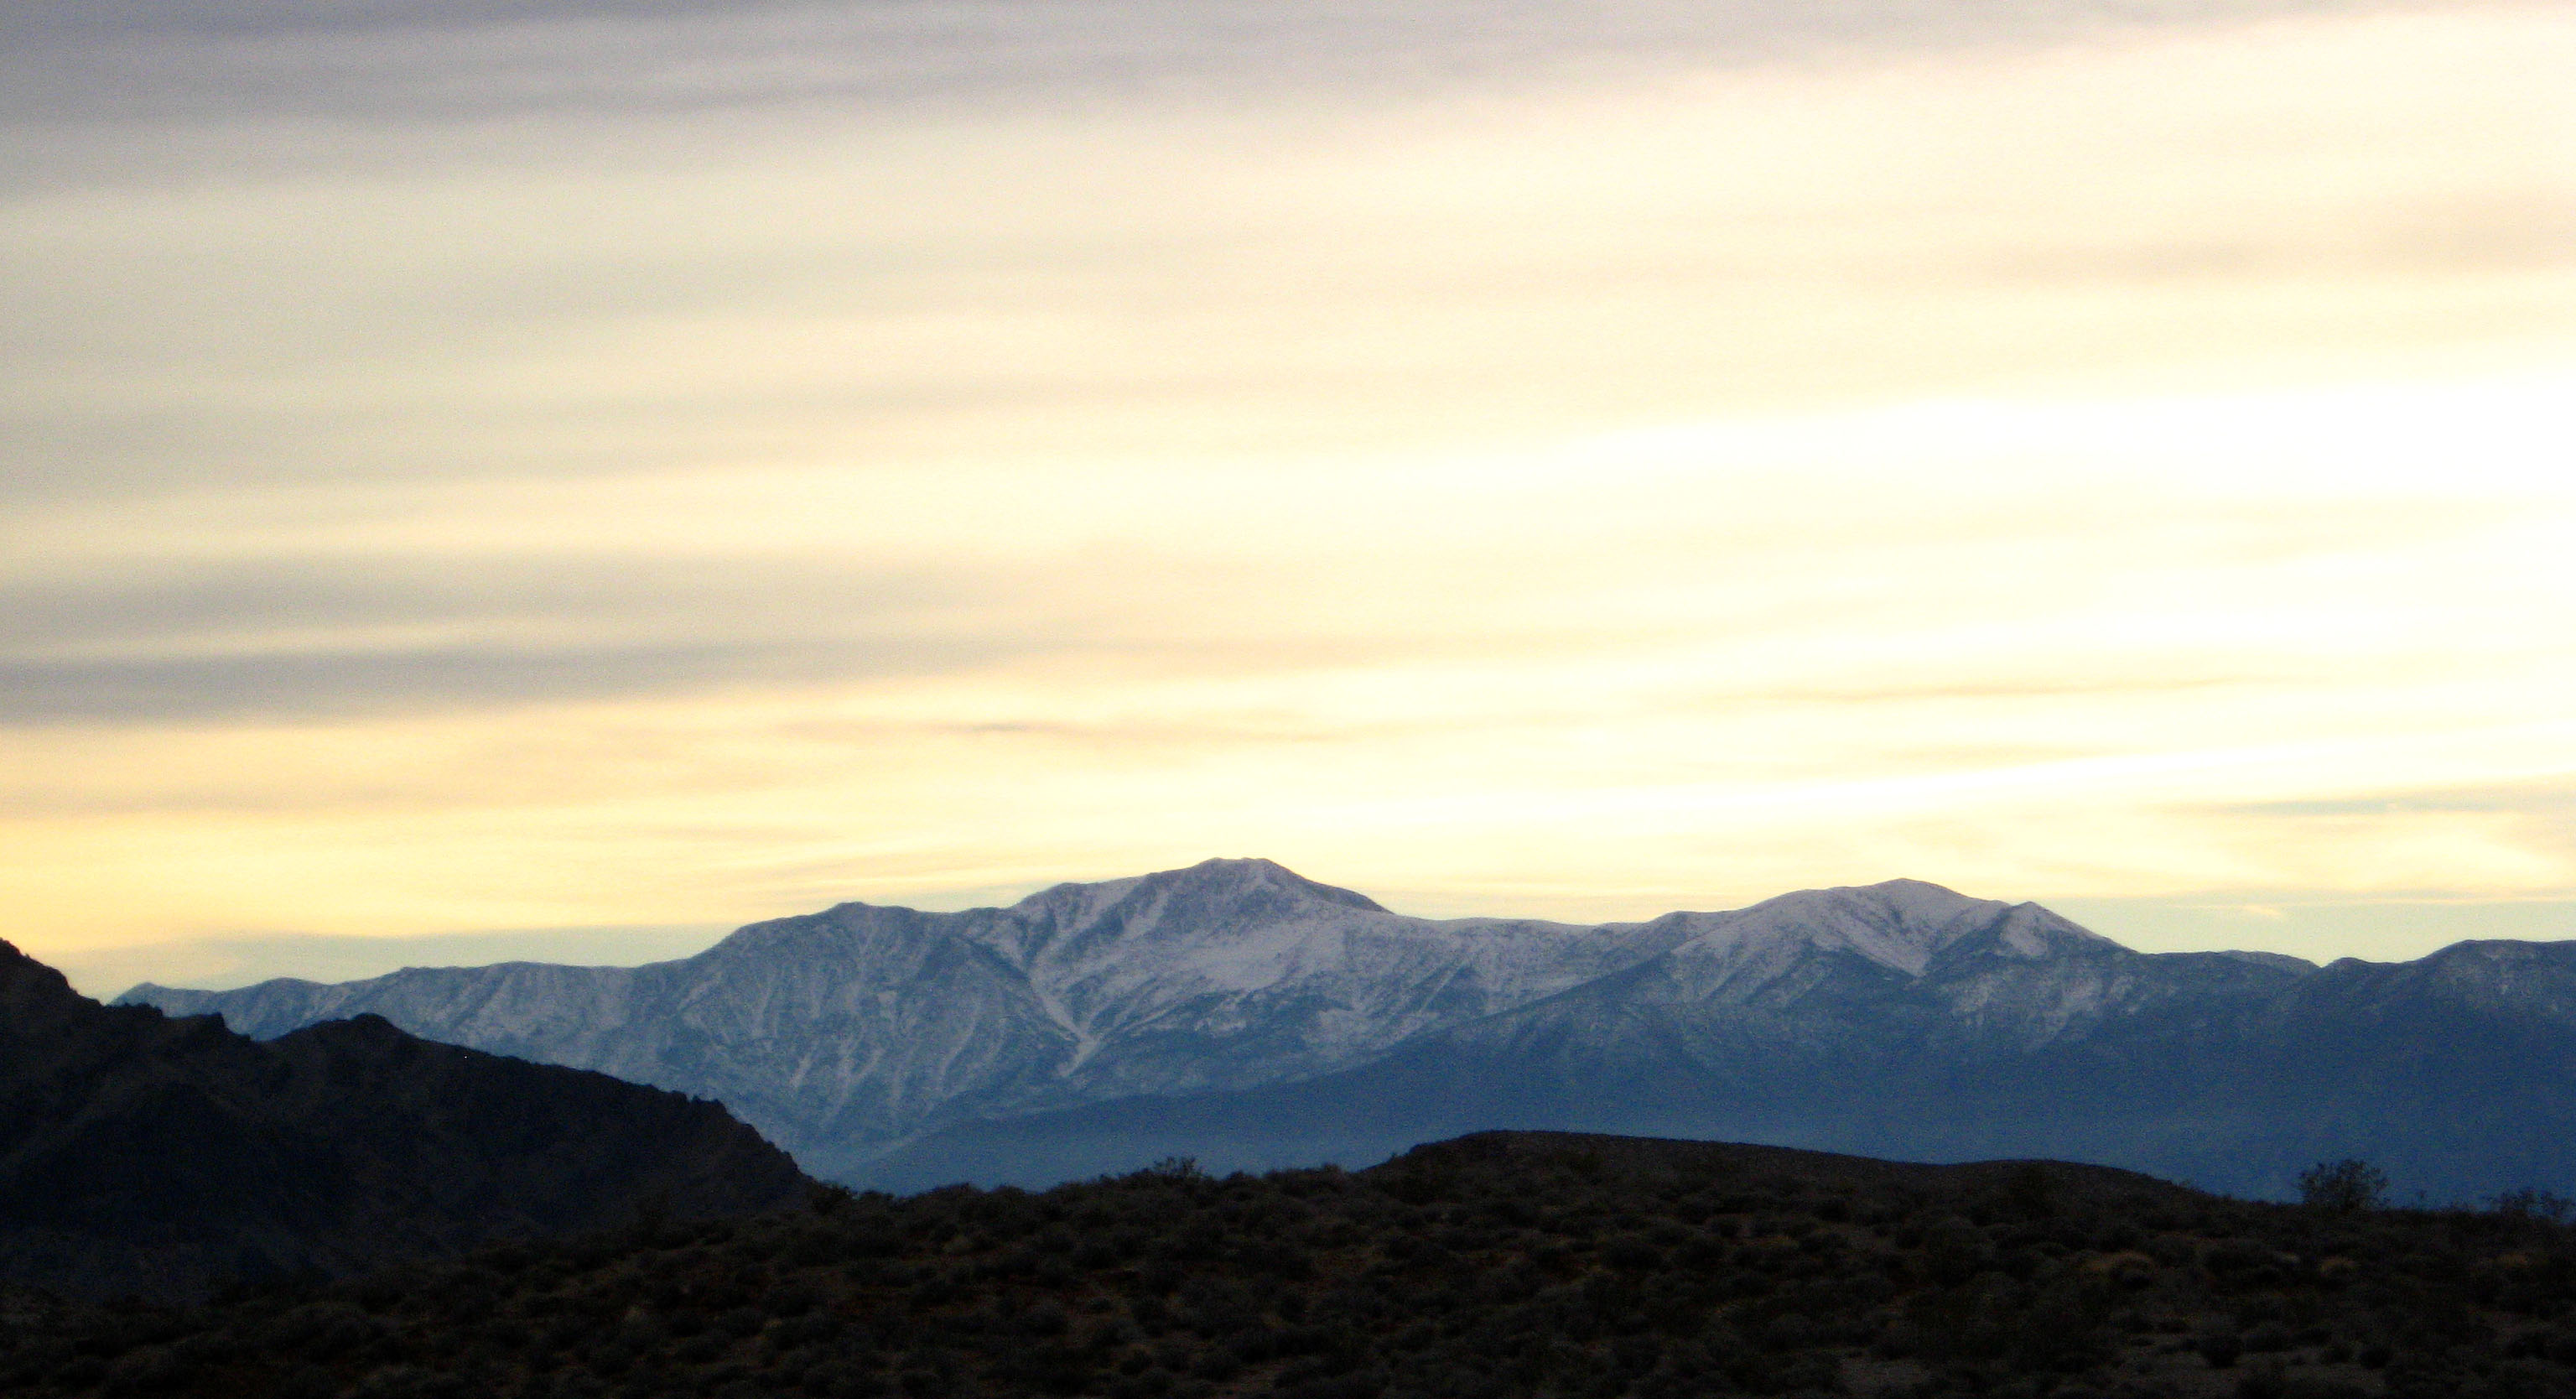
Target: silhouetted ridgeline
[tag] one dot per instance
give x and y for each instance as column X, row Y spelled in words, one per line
column 145, row 1154
column 1497, row 1265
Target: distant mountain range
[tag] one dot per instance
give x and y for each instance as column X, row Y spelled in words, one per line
column 844, row 1034
column 142, row 1154
column 1239, row 1013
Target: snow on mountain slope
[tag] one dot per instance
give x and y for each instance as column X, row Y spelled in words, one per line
column 1822, row 983
column 846, row 1032
column 1236, row 972
column 841, row 1032
column 2012, row 1041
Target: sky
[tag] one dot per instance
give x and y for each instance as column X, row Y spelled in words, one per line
column 486, row 480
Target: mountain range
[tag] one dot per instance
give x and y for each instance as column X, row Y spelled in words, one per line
column 156, row 1156
column 845, row 1033
column 1239, row 1013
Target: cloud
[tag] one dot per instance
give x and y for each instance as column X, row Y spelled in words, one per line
column 416, row 61
column 316, row 637
column 2535, row 798
column 520, row 465
column 1299, row 271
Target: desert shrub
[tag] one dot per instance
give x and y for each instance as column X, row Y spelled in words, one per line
column 2348, row 1186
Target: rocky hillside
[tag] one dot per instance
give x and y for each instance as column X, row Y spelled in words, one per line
column 145, row 1154
column 1503, row 1265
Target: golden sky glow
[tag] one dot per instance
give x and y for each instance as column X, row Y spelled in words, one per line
column 592, row 479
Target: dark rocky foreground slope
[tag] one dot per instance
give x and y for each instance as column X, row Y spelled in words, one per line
column 1499, row 1266
column 150, row 1155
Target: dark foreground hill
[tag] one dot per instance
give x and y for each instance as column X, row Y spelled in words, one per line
column 1493, row 1266
column 150, row 1155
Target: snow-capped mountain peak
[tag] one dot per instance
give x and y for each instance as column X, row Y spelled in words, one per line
column 844, row 1032
column 1902, row 926
column 1245, row 880
column 1904, row 931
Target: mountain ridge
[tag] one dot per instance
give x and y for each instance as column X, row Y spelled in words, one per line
column 846, row 1033
column 2435, row 1072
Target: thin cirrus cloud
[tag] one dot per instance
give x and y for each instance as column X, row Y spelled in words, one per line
column 413, row 61
column 518, row 466
column 279, row 637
